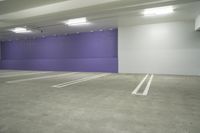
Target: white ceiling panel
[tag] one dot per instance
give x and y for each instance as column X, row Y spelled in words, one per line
column 45, row 17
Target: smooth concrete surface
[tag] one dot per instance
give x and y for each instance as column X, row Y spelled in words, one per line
column 103, row 105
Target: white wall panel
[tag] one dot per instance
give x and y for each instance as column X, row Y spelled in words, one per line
column 165, row 48
column 197, row 23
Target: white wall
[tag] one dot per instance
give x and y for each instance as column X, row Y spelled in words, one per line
column 197, row 23
column 165, row 48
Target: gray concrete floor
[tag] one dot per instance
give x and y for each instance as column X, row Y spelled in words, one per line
column 103, row 105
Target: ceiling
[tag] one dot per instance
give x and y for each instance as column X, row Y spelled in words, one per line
column 45, row 17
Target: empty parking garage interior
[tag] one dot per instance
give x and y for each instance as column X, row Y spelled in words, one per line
column 109, row 66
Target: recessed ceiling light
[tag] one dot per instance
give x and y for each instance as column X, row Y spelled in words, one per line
column 77, row 22
column 158, row 11
column 20, row 30
column 80, row 24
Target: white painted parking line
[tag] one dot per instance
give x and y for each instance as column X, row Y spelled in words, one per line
column 16, row 71
column 21, row 74
column 79, row 81
column 148, row 86
column 43, row 77
column 3, row 72
column 145, row 92
column 140, row 84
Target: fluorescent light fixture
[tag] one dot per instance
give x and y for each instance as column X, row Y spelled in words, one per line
column 77, row 22
column 20, row 30
column 158, row 11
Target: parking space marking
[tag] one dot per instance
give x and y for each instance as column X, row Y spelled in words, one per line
column 148, row 85
column 79, row 81
column 21, row 74
column 43, row 77
column 146, row 90
column 140, row 84
column 16, row 72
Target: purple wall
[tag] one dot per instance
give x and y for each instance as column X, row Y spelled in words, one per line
column 91, row 52
column 0, row 54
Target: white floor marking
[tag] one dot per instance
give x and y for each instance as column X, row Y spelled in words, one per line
column 14, row 72
column 145, row 92
column 141, row 83
column 4, row 72
column 43, row 77
column 21, row 74
column 79, row 81
column 148, row 86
